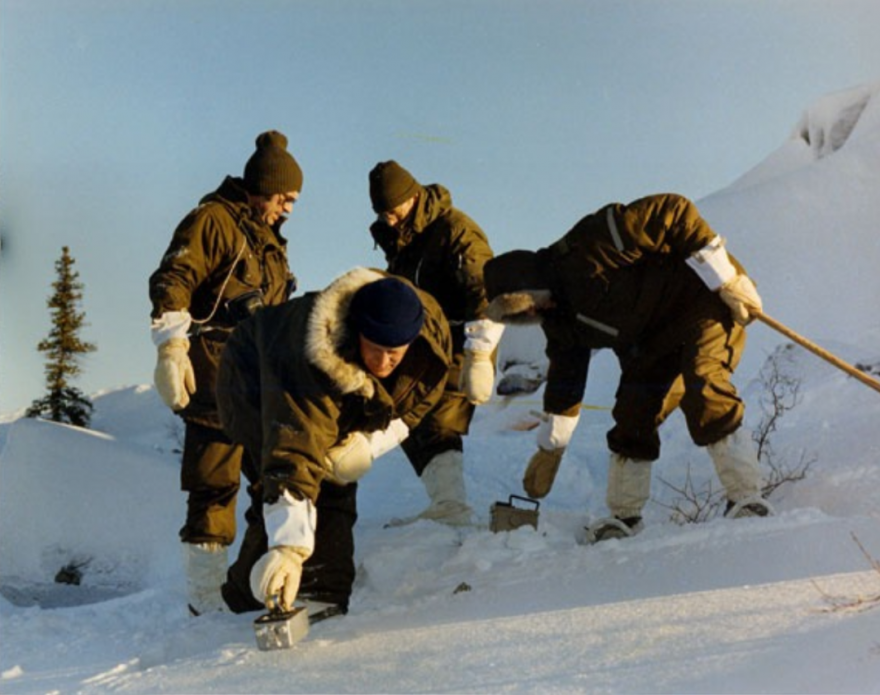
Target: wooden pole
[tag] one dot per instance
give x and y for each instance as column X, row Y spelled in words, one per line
column 816, row 350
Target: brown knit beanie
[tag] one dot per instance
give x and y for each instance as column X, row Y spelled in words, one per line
column 390, row 185
column 272, row 169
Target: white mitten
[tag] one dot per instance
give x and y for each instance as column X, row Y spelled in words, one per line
column 290, row 529
column 477, row 376
column 174, row 377
column 275, row 577
column 478, row 371
column 742, row 298
column 350, row 459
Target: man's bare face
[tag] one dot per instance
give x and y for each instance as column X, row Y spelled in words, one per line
column 381, row 361
column 269, row 209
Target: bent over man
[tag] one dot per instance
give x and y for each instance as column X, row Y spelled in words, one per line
column 442, row 251
column 654, row 283
column 317, row 389
column 226, row 259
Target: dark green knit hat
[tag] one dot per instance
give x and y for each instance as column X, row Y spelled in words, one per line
column 390, row 185
column 272, row 169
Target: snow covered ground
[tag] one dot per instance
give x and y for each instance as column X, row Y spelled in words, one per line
column 753, row 605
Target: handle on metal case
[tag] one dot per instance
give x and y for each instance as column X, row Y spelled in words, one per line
column 527, row 500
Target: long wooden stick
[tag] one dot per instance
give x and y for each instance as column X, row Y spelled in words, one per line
column 816, row 350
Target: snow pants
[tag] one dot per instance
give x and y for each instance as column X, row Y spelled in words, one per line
column 693, row 375
column 210, row 474
column 443, row 427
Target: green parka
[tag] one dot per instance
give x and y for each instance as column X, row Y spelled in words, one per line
column 442, row 251
column 292, row 385
column 619, row 280
column 218, row 253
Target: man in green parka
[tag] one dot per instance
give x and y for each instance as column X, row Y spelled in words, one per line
column 226, row 259
column 654, row 283
column 317, row 389
column 442, row 251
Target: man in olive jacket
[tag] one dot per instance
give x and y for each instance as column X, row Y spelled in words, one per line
column 442, row 251
column 317, row 389
column 226, row 259
column 654, row 283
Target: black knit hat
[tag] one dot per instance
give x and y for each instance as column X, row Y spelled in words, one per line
column 390, row 185
column 387, row 312
column 272, row 169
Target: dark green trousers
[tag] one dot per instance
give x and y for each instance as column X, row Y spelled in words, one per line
column 695, row 376
column 210, row 474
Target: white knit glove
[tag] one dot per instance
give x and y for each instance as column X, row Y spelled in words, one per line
column 478, row 371
column 290, row 528
column 713, row 266
column 349, row 460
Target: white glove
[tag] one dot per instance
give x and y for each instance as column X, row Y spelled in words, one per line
column 349, row 460
column 478, row 371
column 275, row 577
column 555, row 431
column 290, row 529
column 742, row 297
column 174, row 377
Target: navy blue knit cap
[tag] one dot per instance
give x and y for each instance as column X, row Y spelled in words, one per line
column 387, row 312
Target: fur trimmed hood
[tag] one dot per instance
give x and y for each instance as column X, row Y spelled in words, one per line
column 521, row 308
column 329, row 341
column 331, row 345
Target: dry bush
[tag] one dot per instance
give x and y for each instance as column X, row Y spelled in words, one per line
column 781, row 393
column 852, row 603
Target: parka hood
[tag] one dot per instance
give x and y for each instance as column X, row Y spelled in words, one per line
column 330, row 344
column 434, row 201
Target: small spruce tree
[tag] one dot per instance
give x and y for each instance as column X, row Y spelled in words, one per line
column 63, row 402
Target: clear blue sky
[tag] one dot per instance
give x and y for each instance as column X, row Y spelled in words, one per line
column 116, row 117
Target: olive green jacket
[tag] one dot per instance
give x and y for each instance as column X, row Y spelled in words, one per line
column 218, row 252
column 442, row 251
column 620, row 281
column 292, row 384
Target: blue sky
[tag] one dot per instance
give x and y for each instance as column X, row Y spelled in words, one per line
column 116, row 117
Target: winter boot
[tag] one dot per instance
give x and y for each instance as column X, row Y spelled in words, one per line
column 736, row 463
column 443, row 478
column 205, row 565
column 629, row 487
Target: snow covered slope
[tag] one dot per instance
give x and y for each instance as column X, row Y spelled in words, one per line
column 783, row 604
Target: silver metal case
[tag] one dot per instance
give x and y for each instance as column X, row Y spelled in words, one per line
column 281, row 630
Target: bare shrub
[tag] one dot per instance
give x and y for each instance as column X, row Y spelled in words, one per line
column 852, row 603
column 781, row 393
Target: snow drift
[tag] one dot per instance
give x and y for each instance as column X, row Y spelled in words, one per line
column 782, row 604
